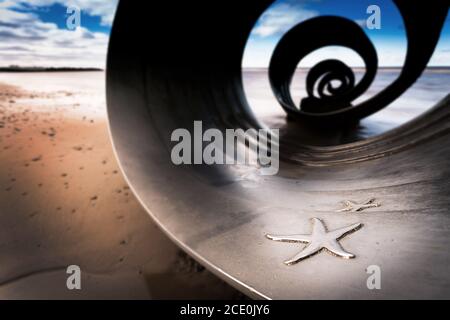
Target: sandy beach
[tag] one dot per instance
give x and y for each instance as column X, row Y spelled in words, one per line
column 64, row 201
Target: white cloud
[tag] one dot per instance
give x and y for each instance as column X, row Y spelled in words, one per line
column 389, row 55
column 28, row 41
column 105, row 9
column 280, row 18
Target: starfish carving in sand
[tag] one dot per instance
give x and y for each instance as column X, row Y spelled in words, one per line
column 320, row 239
column 351, row 206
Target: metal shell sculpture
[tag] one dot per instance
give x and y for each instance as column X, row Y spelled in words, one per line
column 423, row 24
column 166, row 70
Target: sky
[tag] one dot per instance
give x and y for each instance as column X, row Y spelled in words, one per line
column 390, row 40
column 34, row 32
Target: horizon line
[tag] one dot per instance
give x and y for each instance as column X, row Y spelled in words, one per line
column 44, row 68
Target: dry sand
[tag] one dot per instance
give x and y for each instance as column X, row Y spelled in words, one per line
column 64, row 201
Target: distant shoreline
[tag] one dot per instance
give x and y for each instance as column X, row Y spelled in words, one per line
column 248, row 69
column 358, row 68
column 361, row 69
column 42, row 69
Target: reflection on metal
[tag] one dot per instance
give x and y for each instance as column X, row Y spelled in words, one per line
column 351, row 206
column 330, row 105
column 166, row 71
column 319, row 240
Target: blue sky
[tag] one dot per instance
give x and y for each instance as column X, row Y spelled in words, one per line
column 57, row 13
column 390, row 40
column 34, row 32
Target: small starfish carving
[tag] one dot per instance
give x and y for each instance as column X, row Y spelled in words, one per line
column 319, row 240
column 351, row 206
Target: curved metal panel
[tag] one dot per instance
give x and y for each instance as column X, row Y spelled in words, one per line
column 165, row 71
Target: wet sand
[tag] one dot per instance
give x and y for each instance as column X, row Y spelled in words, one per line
column 64, row 201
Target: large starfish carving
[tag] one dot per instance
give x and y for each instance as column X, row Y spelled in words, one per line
column 320, row 239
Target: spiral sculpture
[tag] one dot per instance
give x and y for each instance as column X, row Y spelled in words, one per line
column 172, row 64
column 423, row 24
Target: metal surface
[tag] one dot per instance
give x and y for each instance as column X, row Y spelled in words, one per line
column 221, row 214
